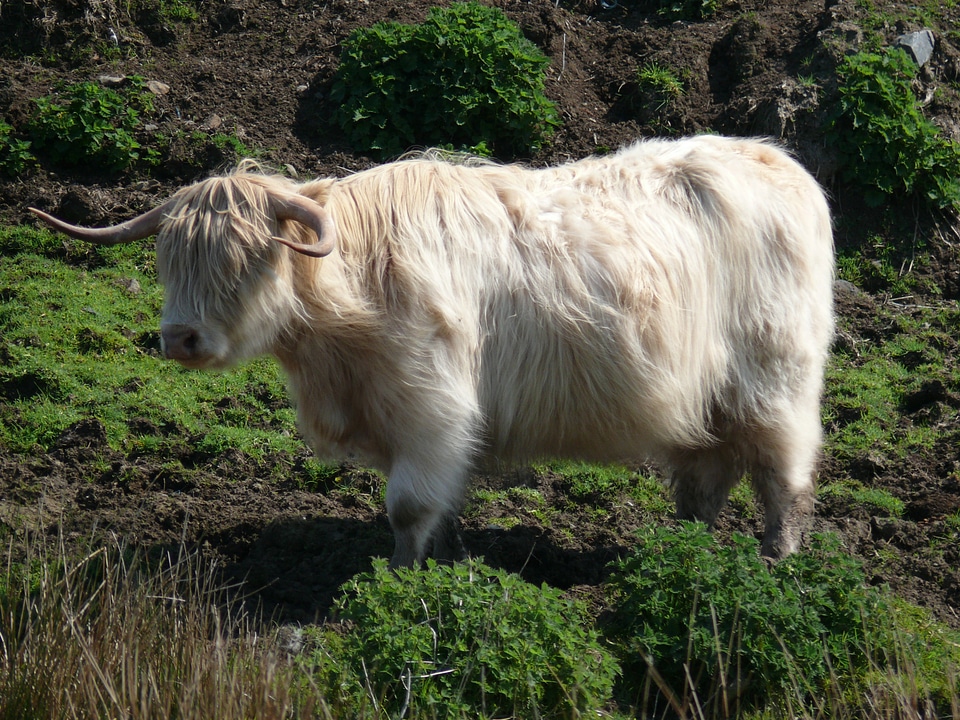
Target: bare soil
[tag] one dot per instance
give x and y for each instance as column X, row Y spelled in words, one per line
column 261, row 72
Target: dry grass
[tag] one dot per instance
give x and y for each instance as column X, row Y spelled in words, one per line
column 113, row 636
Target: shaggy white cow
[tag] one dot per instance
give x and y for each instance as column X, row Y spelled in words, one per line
column 671, row 301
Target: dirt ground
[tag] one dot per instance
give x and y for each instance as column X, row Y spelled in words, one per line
column 261, row 71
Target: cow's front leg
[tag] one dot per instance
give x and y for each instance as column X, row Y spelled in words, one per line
column 423, row 501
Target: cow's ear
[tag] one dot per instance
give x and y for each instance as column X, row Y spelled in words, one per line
column 312, row 214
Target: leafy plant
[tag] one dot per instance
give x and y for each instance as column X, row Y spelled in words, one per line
column 883, row 140
column 466, row 641
column 86, row 124
column 713, row 621
column 15, row 155
column 686, row 9
column 465, row 77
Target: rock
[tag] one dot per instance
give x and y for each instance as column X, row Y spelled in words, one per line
column 131, row 285
column 918, row 44
column 845, row 287
column 112, row 80
column 212, row 123
column 885, row 528
column 157, row 87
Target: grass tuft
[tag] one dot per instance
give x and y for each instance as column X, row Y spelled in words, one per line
column 111, row 634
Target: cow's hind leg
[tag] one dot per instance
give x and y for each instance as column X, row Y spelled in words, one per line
column 783, row 476
column 701, row 480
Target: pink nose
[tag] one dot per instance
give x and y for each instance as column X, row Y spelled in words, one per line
column 179, row 342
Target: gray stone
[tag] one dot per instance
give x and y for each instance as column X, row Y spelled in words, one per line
column 918, row 44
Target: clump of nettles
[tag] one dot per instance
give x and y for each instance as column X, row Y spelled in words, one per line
column 15, row 155
column 884, row 142
column 463, row 641
column 465, row 78
column 708, row 619
column 87, row 125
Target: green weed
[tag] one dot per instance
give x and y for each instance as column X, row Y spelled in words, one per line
column 464, row 640
column 15, row 155
column 660, row 88
column 686, row 9
column 661, row 82
column 232, row 144
column 710, row 623
column 179, row 10
column 85, row 123
column 884, row 142
column 464, row 78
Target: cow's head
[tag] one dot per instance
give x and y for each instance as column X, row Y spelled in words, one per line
column 228, row 291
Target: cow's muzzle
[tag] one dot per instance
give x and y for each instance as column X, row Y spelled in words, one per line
column 181, row 343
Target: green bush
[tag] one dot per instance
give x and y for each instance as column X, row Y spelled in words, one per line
column 86, row 124
column 463, row 78
column 883, row 140
column 466, row 641
column 713, row 620
column 15, row 155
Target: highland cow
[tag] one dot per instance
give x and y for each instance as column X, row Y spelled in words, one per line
column 671, row 301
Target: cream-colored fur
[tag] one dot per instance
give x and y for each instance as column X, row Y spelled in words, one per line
column 670, row 301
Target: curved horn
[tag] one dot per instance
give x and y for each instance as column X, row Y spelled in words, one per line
column 312, row 214
column 135, row 229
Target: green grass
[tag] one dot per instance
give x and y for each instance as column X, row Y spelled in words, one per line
column 599, row 485
column 878, row 499
column 661, row 83
column 870, row 386
column 76, row 342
